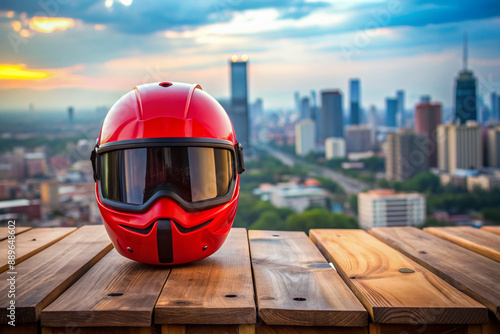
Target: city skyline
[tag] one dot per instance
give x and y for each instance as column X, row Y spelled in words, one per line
column 104, row 48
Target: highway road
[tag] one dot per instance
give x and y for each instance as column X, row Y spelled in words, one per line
column 350, row 185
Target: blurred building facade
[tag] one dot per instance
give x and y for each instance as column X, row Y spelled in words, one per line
column 406, row 155
column 427, row 119
column 386, row 208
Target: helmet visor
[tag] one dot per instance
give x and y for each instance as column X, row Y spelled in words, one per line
column 137, row 176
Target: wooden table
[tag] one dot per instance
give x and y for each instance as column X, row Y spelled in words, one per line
column 388, row 280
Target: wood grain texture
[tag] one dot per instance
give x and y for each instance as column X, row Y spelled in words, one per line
column 473, row 274
column 4, row 231
column 266, row 329
column 481, row 242
column 371, row 269
column 31, row 242
column 19, row 329
column 492, row 229
column 296, row 286
column 215, row 290
column 117, row 292
column 100, row 330
column 418, row 329
column 44, row 276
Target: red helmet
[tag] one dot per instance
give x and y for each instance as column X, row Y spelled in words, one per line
column 166, row 166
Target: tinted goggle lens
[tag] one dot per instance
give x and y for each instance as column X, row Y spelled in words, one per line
column 195, row 174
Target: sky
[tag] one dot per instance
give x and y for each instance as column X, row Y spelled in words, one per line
column 57, row 53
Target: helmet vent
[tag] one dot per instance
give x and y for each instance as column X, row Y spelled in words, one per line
column 165, row 84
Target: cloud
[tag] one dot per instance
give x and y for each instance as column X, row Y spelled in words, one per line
column 135, row 17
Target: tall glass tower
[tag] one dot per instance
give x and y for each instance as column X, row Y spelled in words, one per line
column 465, row 92
column 239, row 99
column 354, row 95
column 332, row 115
column 391, row 112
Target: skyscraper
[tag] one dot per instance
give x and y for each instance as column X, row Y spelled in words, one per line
column 465, row 92
column 494, row 105
column 305, row 108
column 459, row 146
column 373, row 123
column 391, row 111
column 406, row 155
column 358, row 138
column 401, row 119
column 296, row 97
column 71, row 114
column 494, row 147
column 332, row 115
column 239, row 99
column 427, row 119
column 304, row 137
column 354, row 96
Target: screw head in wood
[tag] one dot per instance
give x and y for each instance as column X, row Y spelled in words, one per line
column 406, row 270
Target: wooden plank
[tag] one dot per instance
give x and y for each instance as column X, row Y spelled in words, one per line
column 19, row 329
column 418, row 329
column 266, row 329
column 215, row 290
column 296, row 286
column 470, row 272
column 492, row 229
column 373, row 271
column 4, row 231
column 44, row 276
column 118, row 292
column 100, row 330
column 212, row 329
column 481, row 242
column 31, row 242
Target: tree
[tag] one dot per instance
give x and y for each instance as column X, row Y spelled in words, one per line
column 330, row 185
column 431, row 221
column 269, row 220
column 422, row 182
column 353, row 202
column 319, row 218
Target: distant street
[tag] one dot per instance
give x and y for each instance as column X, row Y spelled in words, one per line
column 350, row 185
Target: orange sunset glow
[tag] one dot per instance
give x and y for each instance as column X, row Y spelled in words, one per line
column 50, row 24
column 20, row 72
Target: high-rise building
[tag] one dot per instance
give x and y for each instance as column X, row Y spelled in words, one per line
column 355, row 101
column 296, row 98
column 382, row 208
column 373, row 123
column 391, row 112
column 239, row 99
column 401, row 115
column 305, row 137
column 313, row 96
column 358, row 138
column 71, row 114
column 406, row 155
column 494, row 147
column 335, row 148
column 427, row 119
column 465, row 92
column 332, row 114
column 49, row 193
column 425, row 99
column 459, row 146
column 305, row 108
column 316, row 115
column 495, row 105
